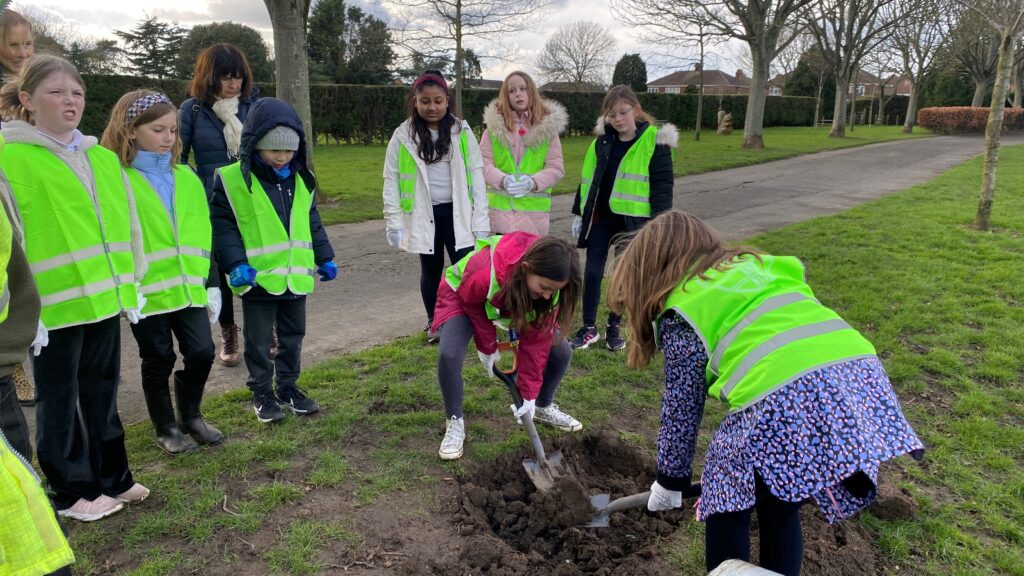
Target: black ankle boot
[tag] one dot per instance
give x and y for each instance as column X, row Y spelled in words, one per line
column 189, row 398
column 169, row 436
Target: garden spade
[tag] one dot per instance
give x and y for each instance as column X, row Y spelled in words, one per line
column 604, row 508
column 544, row 469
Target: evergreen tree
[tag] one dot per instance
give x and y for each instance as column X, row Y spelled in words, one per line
column 151, row 48
column 348, row 46
column 810, row 75
column 326, row 40
column 247, row 39
column 632, row 71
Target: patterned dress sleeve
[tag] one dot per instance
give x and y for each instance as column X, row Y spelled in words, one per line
column 683, row 405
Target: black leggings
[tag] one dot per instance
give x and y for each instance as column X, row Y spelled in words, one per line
column 727, row 535
column 599, row 241
column 432, row 265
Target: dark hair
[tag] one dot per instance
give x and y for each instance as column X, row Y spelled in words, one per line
column 214, row 63
column 552, row 258
column 429, row 151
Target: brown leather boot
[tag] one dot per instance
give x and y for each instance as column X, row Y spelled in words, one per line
column 229, row 355
column 23, row 386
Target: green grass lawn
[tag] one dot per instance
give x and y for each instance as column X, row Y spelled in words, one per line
column 351, row 176
column 941, row 302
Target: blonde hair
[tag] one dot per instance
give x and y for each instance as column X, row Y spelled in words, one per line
column 117, row 134
column 623, row 93
column 670, row 250
column 536, row 109
column 9, row 21
column 36, row 69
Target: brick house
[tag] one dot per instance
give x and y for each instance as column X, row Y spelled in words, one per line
column 715, row 82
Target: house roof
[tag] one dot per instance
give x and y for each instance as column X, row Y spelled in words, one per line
column 483, row 84
column 688, row 77
column 571, row 87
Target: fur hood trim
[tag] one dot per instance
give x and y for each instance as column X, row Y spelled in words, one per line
column 668, row 134
column 18, row 131
column 553, row 123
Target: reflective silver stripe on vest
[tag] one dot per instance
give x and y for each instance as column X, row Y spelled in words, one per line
column 77, row 256
column 289, row 270
column 279, row 247
column 80, row 292
column 620, row 175
column 5, row 296
column 764, row 307
column 776, row 342
column 629, row 197
column 402, row 176
column 176, row 251
column 170, row 283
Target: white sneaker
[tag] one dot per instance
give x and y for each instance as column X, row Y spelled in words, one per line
column 552, row 416
column 454, row 435
column 89, row 511
column 137, row 493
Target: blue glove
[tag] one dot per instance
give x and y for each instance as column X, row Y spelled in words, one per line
column 328, row 271
column 242, row 275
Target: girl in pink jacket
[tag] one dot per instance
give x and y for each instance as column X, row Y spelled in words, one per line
column 519, row 281
column 522, row 156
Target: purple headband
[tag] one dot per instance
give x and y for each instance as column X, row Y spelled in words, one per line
column 430, row 78
column 135, row 109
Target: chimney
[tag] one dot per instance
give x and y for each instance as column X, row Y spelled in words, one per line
column 739, row 75
column 696, row 67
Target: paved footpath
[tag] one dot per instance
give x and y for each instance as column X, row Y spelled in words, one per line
column 376, row 296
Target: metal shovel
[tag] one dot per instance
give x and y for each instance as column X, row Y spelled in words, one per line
column 605, row 508
column 544, row 469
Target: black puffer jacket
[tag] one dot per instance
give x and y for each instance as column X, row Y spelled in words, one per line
column 202, row 135
column 659, row 170
column 264, row 115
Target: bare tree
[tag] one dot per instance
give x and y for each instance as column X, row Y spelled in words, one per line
column 1018, row 76
column 577, row 53
column 916, row 42
column 975, row 46
column 433, row 28
column 1006, row 17
column 762, row 25
column 846, row 30
column 673, row 25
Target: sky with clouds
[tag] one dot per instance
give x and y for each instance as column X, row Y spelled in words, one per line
column 99, row 18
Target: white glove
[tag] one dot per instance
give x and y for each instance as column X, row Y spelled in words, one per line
column 527, row 182
column 663, row 498
column 42, row 339
column 481, row 235
column 577, row 225
column 134, row 315
column 509, row 182
column 213, row 303
column 141, row 301
column 395, row 237
column 489, row 360
column 526, row 409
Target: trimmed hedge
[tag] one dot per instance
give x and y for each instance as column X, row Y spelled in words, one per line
column 365, row 114
column 966, row 119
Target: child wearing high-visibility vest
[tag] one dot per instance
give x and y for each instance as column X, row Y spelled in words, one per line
column 267, row 233
column 84, row 247
column 434, row 194
column 177, row 238
column 627, row 180
column 520, row 282
column 811, row 411
column 522, row 156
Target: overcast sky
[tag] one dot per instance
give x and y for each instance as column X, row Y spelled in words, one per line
column 99, row 18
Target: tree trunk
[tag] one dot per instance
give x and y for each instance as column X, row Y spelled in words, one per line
column 853, row 109
column 753, row 124
column 817, row 103
column 908, row 124
column 460, row 75
column 839, row 112
column 292, row 64
column 700, row 93
column 1007, row 43
column 1018, row 91
column 980, row 91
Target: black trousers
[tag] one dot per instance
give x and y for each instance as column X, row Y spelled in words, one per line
column 156, row 334
column 727, row 535
column 12, row 419
column 227, row 309
column 432, row 265
column 259, row 317
column 599, row 241
column 79, row 437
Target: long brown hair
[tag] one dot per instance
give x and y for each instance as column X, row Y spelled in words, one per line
column 117, row 134
column 623, row 93
column 672, row 249
column 536, row 109
column 36, row 69
column 214, row 63
column 554, row 259
column 8, row 22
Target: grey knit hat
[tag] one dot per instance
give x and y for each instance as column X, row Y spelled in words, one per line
column 279, row 138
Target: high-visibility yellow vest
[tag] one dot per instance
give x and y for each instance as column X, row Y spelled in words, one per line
column 6, row 238
column 283, row 259
column 762, row 328
column 631, row 190
column 31, row 541
column 178, row 251
column 532, row 162
column 77, row 241
column 407, row 173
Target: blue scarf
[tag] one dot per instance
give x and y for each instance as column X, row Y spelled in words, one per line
column 157, row 170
